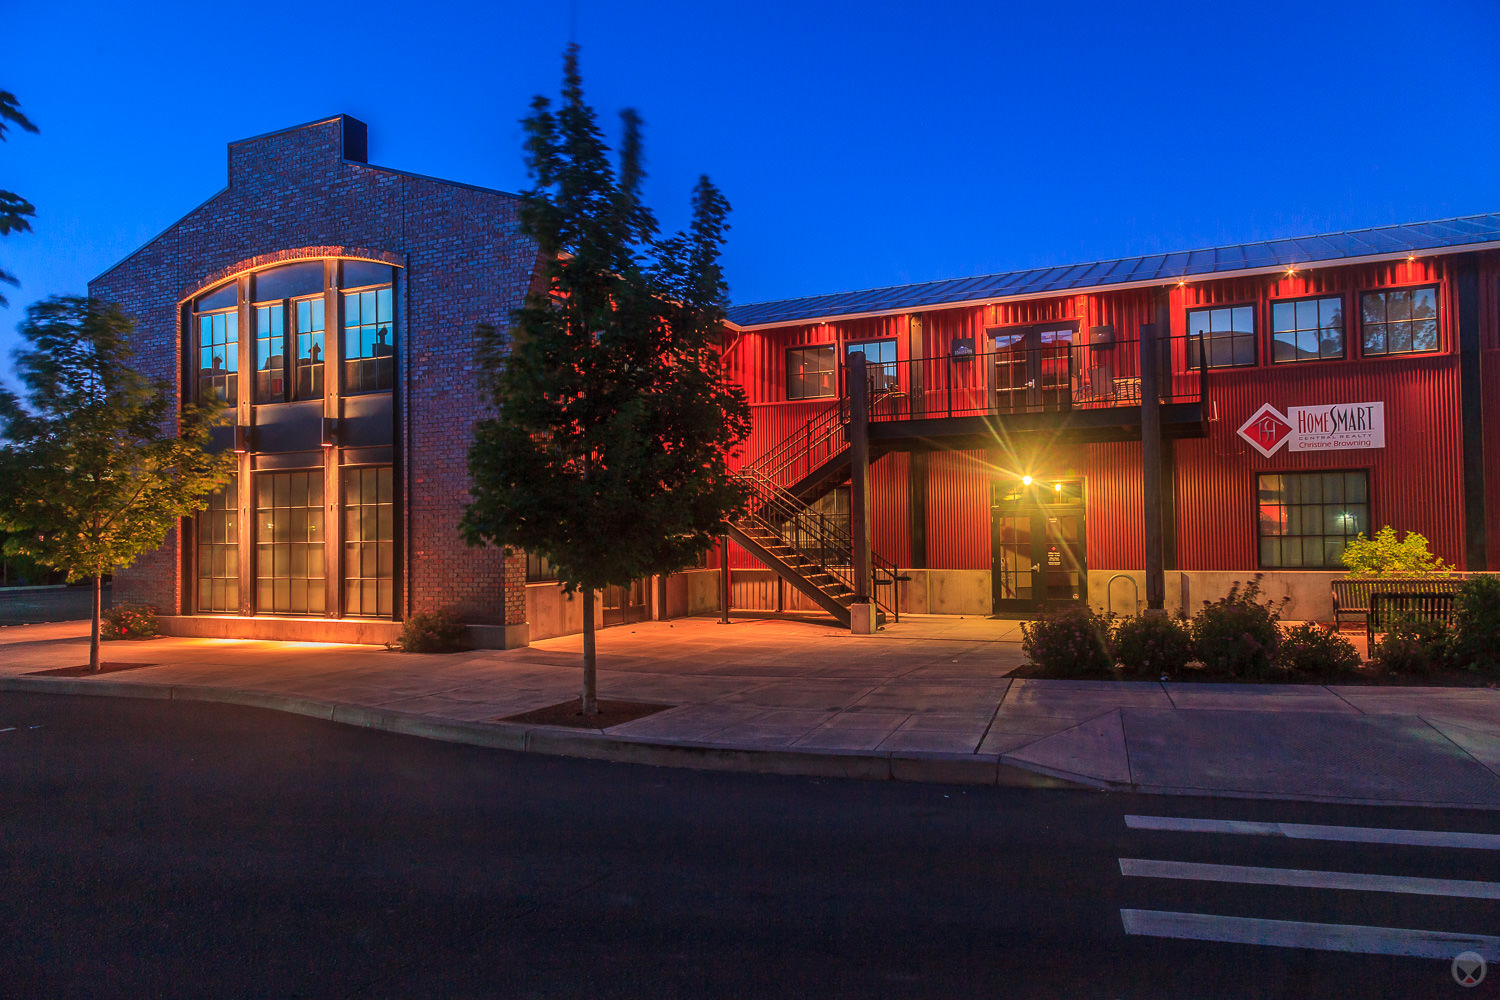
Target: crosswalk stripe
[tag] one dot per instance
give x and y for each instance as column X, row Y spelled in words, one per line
column 1297, row 934
column 1301, row 878
column 1306, row 831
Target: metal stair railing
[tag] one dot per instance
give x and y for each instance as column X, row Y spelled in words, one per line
column 804, row 449
column 817, row 537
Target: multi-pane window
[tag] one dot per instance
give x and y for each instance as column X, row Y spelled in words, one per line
column 539, row 568
column 369, row 542
column 1307, row 329
column 309, row 348
column 289, row 543
column 270, row 353
column 811, row 372
column 369, row 340
column 880, row 355
column 217, row 349
column 1401, row 321
column 1224, row 336
column 1306, row 518
column 218, row 553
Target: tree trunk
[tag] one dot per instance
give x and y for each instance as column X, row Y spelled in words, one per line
column 94, row 665
column 590, row 663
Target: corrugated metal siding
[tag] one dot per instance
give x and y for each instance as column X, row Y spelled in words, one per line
column 1415, row 481
column 1112, row 492
column 1491, row 382
column 890, row 490
column 958, row 510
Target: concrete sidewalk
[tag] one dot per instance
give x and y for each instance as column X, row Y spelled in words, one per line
column 928, row 699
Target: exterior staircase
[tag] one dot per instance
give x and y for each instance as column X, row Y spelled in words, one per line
column 807, row 548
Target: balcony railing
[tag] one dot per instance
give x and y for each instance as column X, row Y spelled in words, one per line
column 1049, row 378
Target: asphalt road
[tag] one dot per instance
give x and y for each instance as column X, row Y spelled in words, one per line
column 152, row 849
column 28, row 605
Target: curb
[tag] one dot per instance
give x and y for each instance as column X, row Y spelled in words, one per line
column 906, row 766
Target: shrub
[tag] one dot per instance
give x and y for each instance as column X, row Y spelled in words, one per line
column 1384, row 555
column 432, row 632
column 1073, row 641
column 128, row 621
column 1475, row 643
column 1412, row 647
column 1237, row 634
column 1153, row 644
column 1310, row 648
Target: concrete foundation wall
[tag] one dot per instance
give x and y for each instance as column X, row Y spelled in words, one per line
column 1311, row 597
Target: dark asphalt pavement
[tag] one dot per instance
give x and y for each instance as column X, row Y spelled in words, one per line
column 155, row 849
column 28, row 605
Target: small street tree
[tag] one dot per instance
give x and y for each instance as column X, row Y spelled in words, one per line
column 88, row 478
column 607, row 451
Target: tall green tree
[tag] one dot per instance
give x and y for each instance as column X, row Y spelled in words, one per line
column 89, row 480
column 612, row 425
column 15, row 211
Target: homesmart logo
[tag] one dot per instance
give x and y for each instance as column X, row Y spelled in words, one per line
column 1324, row 427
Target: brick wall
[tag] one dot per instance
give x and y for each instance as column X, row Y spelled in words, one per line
column 295, row 194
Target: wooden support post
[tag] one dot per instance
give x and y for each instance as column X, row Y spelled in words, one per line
column 859, row 472
column 724, row 580
column 1151, row 468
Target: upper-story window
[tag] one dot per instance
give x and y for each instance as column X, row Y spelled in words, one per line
column 880, row 356
column 369, row 334
column 216, row 350
column 811, row 372
column 1224, row 336
column 1307, row 329
column 1399, row 321
column 289, row 362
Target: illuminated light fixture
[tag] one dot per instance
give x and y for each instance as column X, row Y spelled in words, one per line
column 1291, row 270
column 1025, row 480
column 1057, row 487
column 1411, row 258
column 1181, row 282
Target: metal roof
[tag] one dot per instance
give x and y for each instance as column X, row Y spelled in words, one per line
column 1384, row 241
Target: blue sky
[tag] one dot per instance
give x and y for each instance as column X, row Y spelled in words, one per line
column 861, row 144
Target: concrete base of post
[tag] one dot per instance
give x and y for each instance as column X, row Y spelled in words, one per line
column 1155, row 612
column 862, row 619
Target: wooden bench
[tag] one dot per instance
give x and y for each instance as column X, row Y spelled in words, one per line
column 1387, row 608
column 1351, row 596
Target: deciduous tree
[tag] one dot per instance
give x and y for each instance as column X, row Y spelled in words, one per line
column 89, row 477
column 15, row 211
column 612, row 425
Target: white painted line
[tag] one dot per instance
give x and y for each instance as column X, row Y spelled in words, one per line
column 1305, row 831
column 1319, row 937
column 1301, row 878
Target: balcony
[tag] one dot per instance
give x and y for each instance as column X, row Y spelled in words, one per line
column 1067, row 391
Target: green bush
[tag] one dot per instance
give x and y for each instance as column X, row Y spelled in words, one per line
column 1310, row 648
column 1384, row 555
column 432, row 632
column 1073, row 641
column 1475, row 643
column 1412, row 647
column 1237, row 634
column 1153, row 644
column 128, row 621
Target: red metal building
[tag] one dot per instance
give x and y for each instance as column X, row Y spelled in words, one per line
column 1307, row 390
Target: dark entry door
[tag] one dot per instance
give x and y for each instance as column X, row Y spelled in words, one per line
column 623, row 605
column 1033, row 367
column 1038, row 546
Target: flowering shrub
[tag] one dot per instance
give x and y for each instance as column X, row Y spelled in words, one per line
column 1412, row 647
column 1153, row 644
column 1475, row 643
column 128, row 621
column 1237, row 634
column 432, row 632
column 1384, row 555
column 1310, row 648
column 1071, row 641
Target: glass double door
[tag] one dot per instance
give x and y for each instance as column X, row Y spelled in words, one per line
column 1033, row 369
column 1037, row 546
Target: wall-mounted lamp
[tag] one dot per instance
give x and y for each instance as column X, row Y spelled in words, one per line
column 1025, row 480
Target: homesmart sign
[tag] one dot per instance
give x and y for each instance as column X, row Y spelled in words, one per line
column 1326, row 427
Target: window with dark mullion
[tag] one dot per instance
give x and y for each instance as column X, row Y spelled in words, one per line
column 811, row 371
column 1304, row 519
column 1224, row 336
column 1399, row 321
column 1307, row 329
